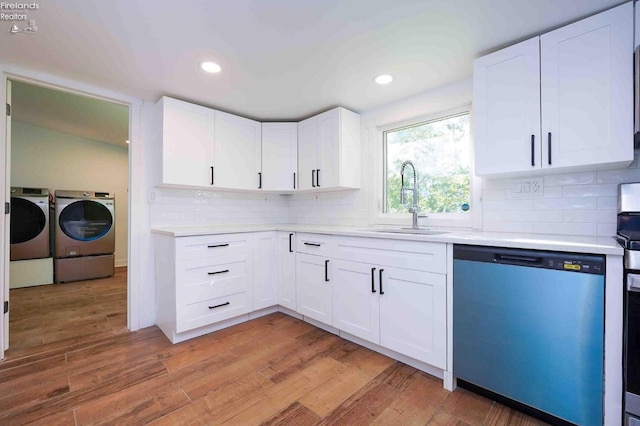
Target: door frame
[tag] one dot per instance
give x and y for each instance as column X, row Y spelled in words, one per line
column 137, row 220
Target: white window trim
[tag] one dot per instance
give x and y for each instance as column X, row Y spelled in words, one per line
column 445, row 220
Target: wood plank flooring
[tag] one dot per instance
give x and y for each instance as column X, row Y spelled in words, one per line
column 275, row 370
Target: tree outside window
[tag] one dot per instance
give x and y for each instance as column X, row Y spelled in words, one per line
column 440, row 150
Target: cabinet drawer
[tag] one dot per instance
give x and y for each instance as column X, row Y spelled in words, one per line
column 212, row 310
column 415, row 255
column 208, row 246
column 317, row 244
column 199, row 280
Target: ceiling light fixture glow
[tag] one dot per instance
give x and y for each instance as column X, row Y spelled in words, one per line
column 210, row 67
column 384, row 79
column 127, row 141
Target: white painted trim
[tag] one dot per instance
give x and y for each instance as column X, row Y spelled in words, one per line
column 449, row 379
column 138, row 219
column 4, row 223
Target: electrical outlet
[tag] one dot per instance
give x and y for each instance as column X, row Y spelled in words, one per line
column 526, row 188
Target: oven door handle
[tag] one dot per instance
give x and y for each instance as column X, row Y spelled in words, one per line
column 633, row 283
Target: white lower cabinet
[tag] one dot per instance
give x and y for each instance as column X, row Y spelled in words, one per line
column 413, row 314
column 265, row 270
column 399, row 302
column 313, row 287
column 287, row 270
column 356, row 300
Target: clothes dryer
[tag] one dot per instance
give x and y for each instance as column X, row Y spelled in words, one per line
column 29, row 224
column 84, row 235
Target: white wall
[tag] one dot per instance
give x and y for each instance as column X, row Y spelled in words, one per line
column 43, row 158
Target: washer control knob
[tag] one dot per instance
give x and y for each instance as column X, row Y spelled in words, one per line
column 85, row 194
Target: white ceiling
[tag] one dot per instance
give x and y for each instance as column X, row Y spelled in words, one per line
column 281, row 59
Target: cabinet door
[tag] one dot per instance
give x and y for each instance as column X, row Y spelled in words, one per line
column 413, row 314
column 506, row 109
column 279, row 156
column 287, row 270
column 587, row 76
column 308, row 152
column 356, row 299
column 238, row 152
column 187, row 143
column 312, row 288
column 328, row 168
column 265, row 260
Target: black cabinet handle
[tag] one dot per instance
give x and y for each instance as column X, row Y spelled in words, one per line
column 533, row 158
column 220, row 305
column 290, row 249
column 549, row 146
column 218, row 245
column 318, row 177
column 313, row 178
column 211, row 175
column 294, row 180
column 218, row 272
column 373, row 273
column 259, row 180
column 326, row 270
column 381, row 291
column 312, row 244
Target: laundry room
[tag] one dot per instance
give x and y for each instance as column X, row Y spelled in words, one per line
column 69, row 199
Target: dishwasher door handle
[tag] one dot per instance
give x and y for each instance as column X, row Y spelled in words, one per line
column 514, row 259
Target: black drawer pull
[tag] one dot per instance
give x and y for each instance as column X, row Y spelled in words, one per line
column 313, row 178
column 211, row 175
column 373, row 273
column 294, row 180
column 549, row 146
column 259, row 180
column 219, row 245
column 318, row 178
column 312, row 244
column 326, row 270
column 381, row 292
column 290, row 248
column 218, row 272
column 220, row 305
column 533, row 159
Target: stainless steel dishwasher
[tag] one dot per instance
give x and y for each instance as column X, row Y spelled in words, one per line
column 528, row 330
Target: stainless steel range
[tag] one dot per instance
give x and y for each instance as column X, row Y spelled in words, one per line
column 629, row 237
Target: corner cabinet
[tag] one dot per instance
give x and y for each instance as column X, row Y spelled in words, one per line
column 265, row 270
column 287, row 270
column 186, row 133
column 563, row 100
column 238, row 152
column 279, row 156
column 329, row 151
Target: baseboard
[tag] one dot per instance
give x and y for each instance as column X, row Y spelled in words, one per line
column 120, row 262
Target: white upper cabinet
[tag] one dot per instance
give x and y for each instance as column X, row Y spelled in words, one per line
column 563, row 100
column 279, row 156
column 329, row 150
column 237, row 151
column 187, row 136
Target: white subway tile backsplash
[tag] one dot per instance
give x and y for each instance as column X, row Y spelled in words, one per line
column 608, row 203
column 534, row 215
column 605, row 190
column 565, row 228
column 552, row 192
column 579, row 216
column 607, row 216
column 565, row 203
column 504, row 226
column 570, row 179
column 606, row 229
column 519, row 204
column 619, row 176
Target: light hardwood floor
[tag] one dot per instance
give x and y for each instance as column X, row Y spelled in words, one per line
column 72, row 362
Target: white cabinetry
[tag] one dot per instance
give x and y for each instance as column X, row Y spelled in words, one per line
column 279, row 156
column 329, row 150
column 237, row 151
column 558, row 101
column 393, row 293
column 265, row 270
column 186, row 133
column 201, row 281
column 286, row 270
column 313, row 277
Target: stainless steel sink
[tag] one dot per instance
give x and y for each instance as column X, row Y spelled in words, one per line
column 419, row 231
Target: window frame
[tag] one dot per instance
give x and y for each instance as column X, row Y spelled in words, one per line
column 454, row 220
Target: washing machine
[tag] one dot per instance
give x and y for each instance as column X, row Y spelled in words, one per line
column 29, row 229
column 84, row 235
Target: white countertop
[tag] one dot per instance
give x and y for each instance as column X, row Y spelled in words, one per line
column 577, row 244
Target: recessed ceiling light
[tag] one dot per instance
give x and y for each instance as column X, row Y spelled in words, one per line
column 211, row 67
column 384, row 79
column 127, row 141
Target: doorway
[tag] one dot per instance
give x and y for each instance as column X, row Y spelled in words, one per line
column 65, row 142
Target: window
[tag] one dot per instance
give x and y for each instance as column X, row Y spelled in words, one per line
column 440, row 150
